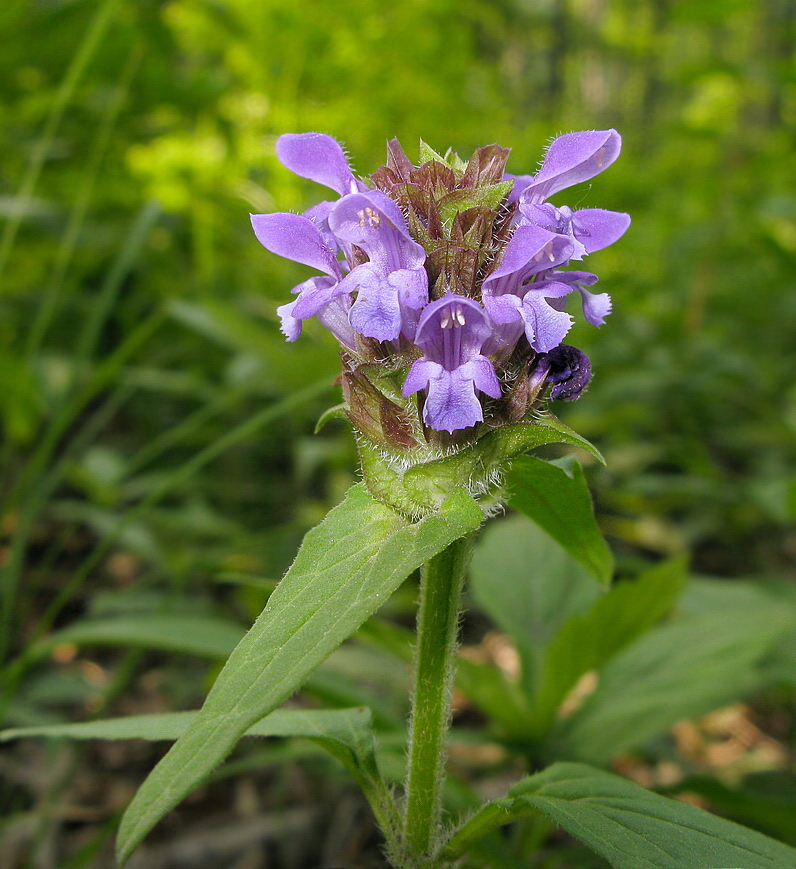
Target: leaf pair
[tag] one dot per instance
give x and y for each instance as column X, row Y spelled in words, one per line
column 628, row 825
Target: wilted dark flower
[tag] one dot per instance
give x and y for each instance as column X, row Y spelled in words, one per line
column 446, row 283
column 566, row 368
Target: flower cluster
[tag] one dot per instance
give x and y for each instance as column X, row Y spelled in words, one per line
column 449, row 276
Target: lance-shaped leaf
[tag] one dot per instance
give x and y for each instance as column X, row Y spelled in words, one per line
column 679, row 670
column 628, row 825
column 559, row 501
column 586, row 641
column 206, row 636
column 528, row 585
column 345, row 569
column 347, row 734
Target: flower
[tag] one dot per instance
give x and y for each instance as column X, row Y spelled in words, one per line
column 567, row 369
column 392, row 286
column 450, row 277
column 451, row 333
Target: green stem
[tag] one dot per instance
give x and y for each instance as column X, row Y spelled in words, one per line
column 437, row 630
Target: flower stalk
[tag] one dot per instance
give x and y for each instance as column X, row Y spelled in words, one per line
column 437, row 632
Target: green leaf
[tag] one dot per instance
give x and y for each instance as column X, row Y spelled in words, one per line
column 345, row 569
column 758, row 799
column 345, row 733
column 712, row 595
column 528, row 585
column 585, row 642
column 679, row 670
column 494, row 693
column 560, row 503
column 629, row 826
column 193, row 635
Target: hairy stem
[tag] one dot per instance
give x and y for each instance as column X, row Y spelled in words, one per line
column 437, row 630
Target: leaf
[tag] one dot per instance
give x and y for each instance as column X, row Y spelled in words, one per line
column 679, row 670
column 764, row 806
column 712, row 595
column 561, row 504
column 345, row 569
column 628, row 825
column 345, row 733
column 495, row 694
column 528, row 585
column 585, row 642
column 194, row 635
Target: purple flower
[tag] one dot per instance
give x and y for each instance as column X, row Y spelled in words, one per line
column 507, row 297
column 451, row 333
column 596, row 306
column 297, row 238
column 392, row 287
column 589, row 229
column 569, row 160
column 319, row 158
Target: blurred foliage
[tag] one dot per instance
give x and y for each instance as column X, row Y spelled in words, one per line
column 158, row 454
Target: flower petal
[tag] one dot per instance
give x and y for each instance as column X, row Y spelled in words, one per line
column 318, row 157
column 503, row 309
column 296, row 238
column 451, row 402
column 376, row 313
column 291, row 326
column 420, row 373
column 482, row 372
column 596, row 306
column 334, row 316
column 375, row 223
column 570, row 159
column 596, row 228
column 313, row 295
column 545, row 327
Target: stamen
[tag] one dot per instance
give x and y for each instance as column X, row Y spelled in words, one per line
column 368, row 215
column 458, row 315
column 445, row 321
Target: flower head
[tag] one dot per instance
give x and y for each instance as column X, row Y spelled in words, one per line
column 446, row 283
